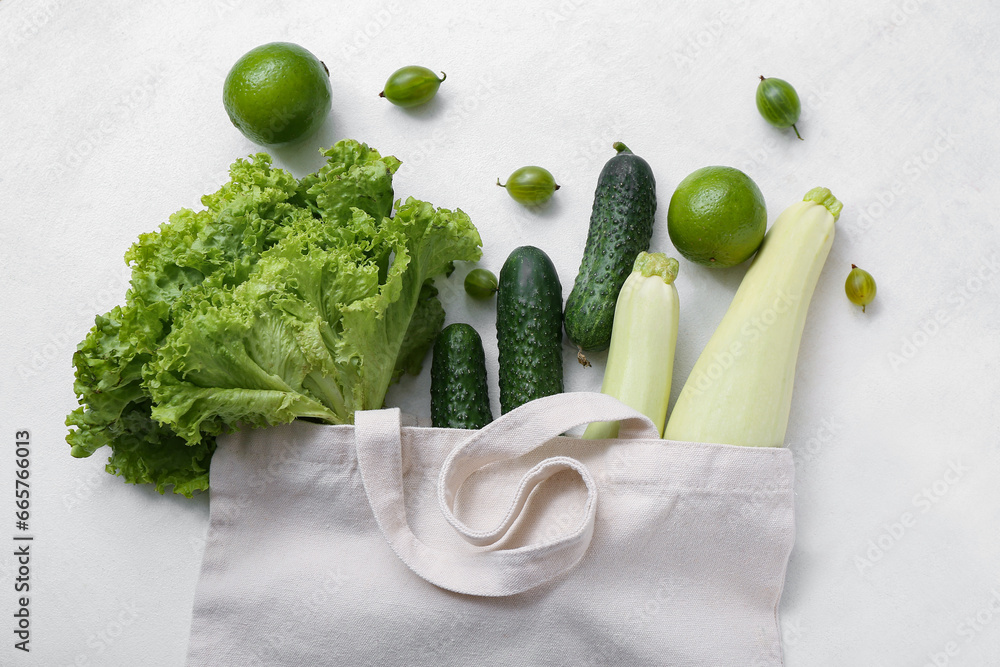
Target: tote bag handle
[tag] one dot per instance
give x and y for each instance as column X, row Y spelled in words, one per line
column 489, row 572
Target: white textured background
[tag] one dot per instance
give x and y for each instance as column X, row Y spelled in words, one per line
column 111, row 118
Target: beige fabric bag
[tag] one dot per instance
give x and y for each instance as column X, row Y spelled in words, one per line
column 377, row 544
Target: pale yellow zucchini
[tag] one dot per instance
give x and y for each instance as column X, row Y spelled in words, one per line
column 740, row 389
column 643, row 339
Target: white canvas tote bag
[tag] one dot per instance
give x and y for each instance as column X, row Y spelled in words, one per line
column 379, row 544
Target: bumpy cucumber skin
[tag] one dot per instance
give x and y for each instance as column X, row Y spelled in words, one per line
column 529, row 328
column 459, row 393
column 621, row 225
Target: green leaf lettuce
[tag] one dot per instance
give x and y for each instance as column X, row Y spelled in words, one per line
column 283, row 298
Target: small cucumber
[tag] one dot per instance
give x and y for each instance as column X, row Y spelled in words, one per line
column 529, row 328
column 459, row 394
column 621, row 225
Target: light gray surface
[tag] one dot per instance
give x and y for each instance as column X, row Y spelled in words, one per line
column 111, row 119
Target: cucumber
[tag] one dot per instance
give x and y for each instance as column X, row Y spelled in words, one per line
column 621, row 225
column 529, row 328
column 459, row 394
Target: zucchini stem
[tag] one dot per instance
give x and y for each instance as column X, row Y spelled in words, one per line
column 825, row 198
column 651, row 264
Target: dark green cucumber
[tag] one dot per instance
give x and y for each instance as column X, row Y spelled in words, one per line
column 459, row 394
column 529, row 328
column 621, row 225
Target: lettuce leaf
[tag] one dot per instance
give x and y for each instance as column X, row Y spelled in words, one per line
column 244, row 217
column 283, row 298
column 314, row 332
column 355, row 176
column 425, row 325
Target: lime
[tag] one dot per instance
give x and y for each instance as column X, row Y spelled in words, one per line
column 717, row 217
column 277, row 93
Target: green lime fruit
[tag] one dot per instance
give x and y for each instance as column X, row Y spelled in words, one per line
column 717, row 217
column 277, row 94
